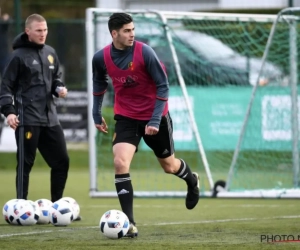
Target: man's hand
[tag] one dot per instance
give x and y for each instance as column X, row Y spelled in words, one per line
column 13, row 121
column 102, row 127
column 149, row 130
column 62, row 92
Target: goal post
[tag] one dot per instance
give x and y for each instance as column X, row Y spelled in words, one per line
column 97, row 37
column 280, row 174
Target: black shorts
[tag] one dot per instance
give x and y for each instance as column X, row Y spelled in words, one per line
column 131, row 131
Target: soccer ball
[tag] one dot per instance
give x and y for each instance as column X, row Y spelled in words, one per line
column 36, row 209
column 60, row 213
column 8, row 211
column 44, row 205
column 26, row 213
column 75, row 206
column 114, row 224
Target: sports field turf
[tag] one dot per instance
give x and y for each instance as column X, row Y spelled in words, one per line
column 162, row 223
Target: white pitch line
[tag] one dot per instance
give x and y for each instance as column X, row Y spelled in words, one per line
column 203, row 206
column 155, row 224
column 29, row 233
column 44, row 231
column 221, row 221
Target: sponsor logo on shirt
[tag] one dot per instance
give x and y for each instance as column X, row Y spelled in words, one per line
column 130, row 82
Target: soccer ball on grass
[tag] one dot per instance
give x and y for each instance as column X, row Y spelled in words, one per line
column 8, row 211
column 61, row 213
column 44, row 205
column 74, row 205
column 114, row 224
column 26, row 213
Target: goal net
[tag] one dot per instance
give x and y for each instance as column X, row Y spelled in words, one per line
column 225, row 102
column 266, row 158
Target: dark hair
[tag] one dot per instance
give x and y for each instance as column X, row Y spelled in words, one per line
column 117, row 20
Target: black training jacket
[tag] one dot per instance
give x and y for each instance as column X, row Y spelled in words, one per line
column 29, row 83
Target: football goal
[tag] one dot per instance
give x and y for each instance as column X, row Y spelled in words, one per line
column 266, row 159
column 231, row 89
column 148, row 177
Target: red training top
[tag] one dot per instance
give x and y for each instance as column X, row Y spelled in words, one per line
column 135, row 90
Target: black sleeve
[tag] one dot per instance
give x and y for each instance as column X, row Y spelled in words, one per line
column 156, row 71
column 56, row 76
column 9, row 85
column 100, row 83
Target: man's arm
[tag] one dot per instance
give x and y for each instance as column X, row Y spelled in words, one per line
column 100, row 83
column 156, row 71
column 56, row 77
column 8, row 86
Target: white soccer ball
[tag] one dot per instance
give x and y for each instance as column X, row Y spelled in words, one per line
column 8, row 211
column 26, row 213
column 44, row 205
column 75, row 206
column 36, row 208
column 60, row 213
column 114, row 224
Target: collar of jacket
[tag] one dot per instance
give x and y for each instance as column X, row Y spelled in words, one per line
column 21, row 41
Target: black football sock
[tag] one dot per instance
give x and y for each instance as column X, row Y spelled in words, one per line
column 125, row 194
column 186, row 174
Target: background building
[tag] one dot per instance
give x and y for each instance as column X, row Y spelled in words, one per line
column 192, row 5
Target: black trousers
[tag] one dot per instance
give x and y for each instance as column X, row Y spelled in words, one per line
column 2, row 119
column 50, row 141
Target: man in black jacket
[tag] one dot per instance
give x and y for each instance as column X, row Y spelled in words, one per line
column 29, row 84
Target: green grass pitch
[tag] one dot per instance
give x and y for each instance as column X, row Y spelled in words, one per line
column 162, row 223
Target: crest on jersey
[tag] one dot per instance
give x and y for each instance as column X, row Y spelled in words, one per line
column 50, row 59
column 130, row 65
